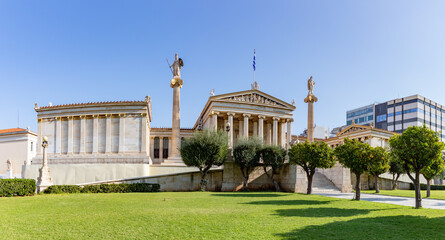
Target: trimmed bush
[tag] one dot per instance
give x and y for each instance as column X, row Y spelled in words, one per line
column 423, row 187
column 104, row 188
column 17, row 187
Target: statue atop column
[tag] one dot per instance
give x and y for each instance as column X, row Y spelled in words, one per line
column 310, row 96
column 176, row 71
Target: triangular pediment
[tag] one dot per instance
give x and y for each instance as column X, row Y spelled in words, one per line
column 253, row 97
column 353, row 128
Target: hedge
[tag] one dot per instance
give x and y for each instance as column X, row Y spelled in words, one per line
column 423, row 187
column 17, row 187
column 104, row 188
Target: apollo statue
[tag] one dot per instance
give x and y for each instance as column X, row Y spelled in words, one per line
column 176, row 67
column 310, row 86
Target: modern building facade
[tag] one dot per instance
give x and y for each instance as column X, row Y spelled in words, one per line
column 398, row 114
column 363, row 115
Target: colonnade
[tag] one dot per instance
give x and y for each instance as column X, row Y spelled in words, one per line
column 269, row 128
column 60, row 137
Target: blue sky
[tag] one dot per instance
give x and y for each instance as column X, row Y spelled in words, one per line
column 358, row 52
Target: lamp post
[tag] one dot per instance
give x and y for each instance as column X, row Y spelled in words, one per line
column 44, row 180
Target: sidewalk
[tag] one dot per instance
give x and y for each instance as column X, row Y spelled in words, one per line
column 404, row 201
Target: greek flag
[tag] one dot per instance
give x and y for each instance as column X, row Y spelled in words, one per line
column 253, row 60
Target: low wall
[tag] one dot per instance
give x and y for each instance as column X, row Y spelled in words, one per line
column 176, row 182
column 83, row 173
column 385, row 181
column 340, row 176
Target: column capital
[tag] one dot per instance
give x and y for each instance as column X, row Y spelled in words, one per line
column 122, row 115
column 289, row 120
column 261, row 117
column 108, row 115
column 214, row 113
column 82, row 116
column 70, row 117
column 95, row 115
column 276, row 118
column 143, row 114
column 230, row 114
column 246, row 115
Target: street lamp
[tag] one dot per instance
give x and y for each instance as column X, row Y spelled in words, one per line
column 228, row 127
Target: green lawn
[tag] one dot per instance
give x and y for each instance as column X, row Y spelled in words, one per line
column 197, row 215
column 436, row 194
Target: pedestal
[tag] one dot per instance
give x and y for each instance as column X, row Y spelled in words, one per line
column 9, row 174
column 44, row 180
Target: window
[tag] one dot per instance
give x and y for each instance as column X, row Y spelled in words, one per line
column 381, row 118
column 156, row 148
column 362, row 119
column 32, row 146
column 370, row 117
column 349, row 122
column 165, row 148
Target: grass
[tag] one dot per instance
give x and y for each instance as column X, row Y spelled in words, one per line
column 199, row 215
column 435, row 194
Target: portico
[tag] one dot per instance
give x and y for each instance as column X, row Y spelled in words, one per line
column 249, row 113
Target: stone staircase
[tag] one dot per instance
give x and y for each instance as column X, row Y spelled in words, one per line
column 321, row 184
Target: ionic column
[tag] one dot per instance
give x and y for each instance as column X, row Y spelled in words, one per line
column 39, row 134
column 289, row 132
column 230, row 120
column 121, row 132
column 269, row 133
column 108, row 133
column 82, row 133
column 215, row 121
column 95, row 133
column 161, row 147
column 144, row 135
column 70, row 134
column 255, row 128
column 152, row 147
column 240, row 128
column 275, row 131
column 260, row 126
column 282, row 133
column 58, row 135
column 246, row 125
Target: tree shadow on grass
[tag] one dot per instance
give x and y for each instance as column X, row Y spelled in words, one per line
column 388, row 227
column 290, row 202
column 252, row 195
column 322, row 212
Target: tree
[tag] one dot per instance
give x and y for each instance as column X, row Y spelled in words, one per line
column 204, row 150
column 273, row 156
column 244, row 155
column 378, row 163
column 431, row 171
column 396, row 169
column 417, row 148
column 311, row 156
column 354, row 155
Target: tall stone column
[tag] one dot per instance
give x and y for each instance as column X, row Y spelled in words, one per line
column 310, row 99
column 122, row 132
column 289, row 133
column 269, row 133
column 82, row 133
column 161, row 147
column 246, row 125
column 108, row 133
column 176, row 84
column 283, row 133
column 144, row 135
column 261, row 126
column 95, row 133
column 275, row 131
column 215, row 121
column 255, row 128
column 58, row 135
column 70, row 134
column 240, row 128
column 230, row 120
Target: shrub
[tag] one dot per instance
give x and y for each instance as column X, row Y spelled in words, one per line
column 104, row 188
column 17, row 187
column 424, row 187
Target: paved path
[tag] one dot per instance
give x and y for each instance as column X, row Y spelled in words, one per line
column 405, row 201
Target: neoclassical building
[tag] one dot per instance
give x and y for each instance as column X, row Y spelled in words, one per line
column 90, row 142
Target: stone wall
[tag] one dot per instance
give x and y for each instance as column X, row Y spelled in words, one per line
column 179, row 182
column 340, row 176
column 385, row 181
